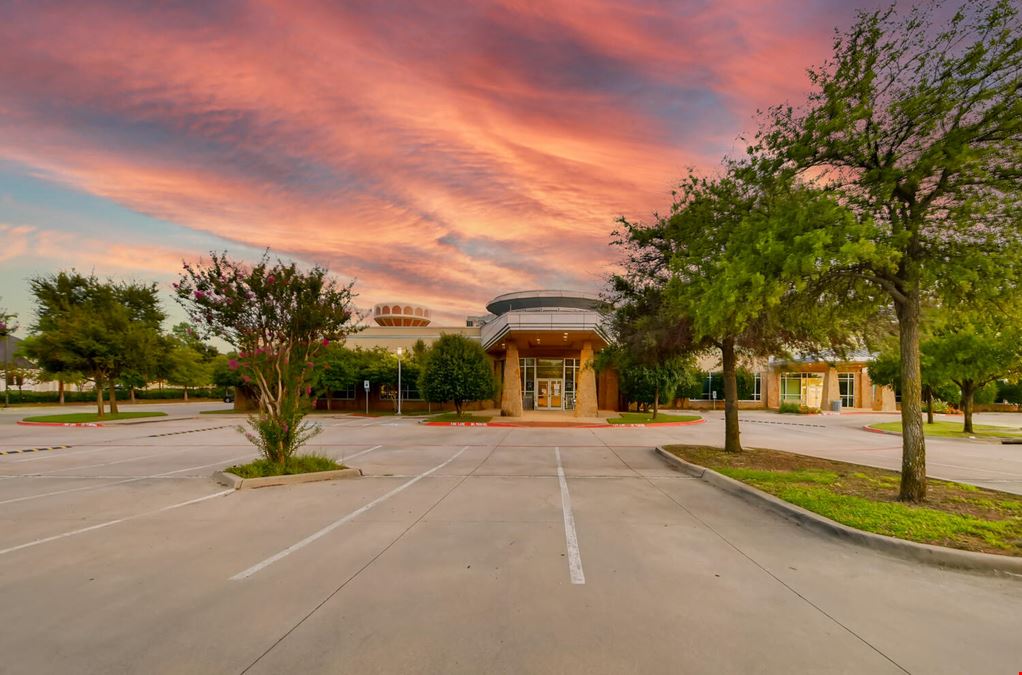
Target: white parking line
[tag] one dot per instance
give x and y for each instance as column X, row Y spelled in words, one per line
column 341, row 521
column 108, row 523
column 119, row 482
column 570, row 538
column 359, row 454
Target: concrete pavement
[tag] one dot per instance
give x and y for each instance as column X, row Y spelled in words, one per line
column 460, row 563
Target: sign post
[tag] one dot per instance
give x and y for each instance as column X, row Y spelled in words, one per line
column 365, row 385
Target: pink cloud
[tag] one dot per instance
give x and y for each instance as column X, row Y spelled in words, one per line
column 439, row 152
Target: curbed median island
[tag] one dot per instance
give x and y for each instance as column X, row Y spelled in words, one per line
column 297, row 469
column 954, row 515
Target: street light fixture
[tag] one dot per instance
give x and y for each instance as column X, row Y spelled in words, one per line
column 400, row 353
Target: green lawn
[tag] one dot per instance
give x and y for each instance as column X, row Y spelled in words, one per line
column 296, row 464
column 954, row 514
column 647, row 418
column 80, row 418
column 465, row 417
column 954, row 430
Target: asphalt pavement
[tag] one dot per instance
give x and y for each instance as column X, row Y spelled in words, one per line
column 465, row 550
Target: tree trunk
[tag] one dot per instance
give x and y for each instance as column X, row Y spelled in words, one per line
column 113, row 398
column 913, row 443
column 929, row 405
column 186, row 394
column 60, row 388
column 968, row 395
column 131, row 394
column 99, row 397
column 656, row 401
column 457, row 407
column 732, row 438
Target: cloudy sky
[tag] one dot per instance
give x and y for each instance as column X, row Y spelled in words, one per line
column 438, row 152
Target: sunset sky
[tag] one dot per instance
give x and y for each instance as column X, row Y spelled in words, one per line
column 438, row 152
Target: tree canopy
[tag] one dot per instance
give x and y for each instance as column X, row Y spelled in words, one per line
column 918, row 129
column 455, row 369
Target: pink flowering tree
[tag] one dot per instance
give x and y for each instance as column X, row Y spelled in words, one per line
column 280, row 319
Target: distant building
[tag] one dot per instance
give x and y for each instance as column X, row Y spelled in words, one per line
column 541, row 341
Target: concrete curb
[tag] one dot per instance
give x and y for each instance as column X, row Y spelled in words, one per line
column 238, row 483
column 901, row 548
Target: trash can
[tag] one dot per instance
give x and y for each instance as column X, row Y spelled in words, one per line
column 836, row 405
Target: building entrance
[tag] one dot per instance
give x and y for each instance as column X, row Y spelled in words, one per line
column 549, row 394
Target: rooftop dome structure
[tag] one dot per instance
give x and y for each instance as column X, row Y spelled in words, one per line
column 401, row 314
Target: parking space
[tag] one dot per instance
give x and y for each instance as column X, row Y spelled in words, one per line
column 462, row 550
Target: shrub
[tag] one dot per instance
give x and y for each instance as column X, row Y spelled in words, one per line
column 789, row 407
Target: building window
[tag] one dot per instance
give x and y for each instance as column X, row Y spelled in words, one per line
column 791, row 387
column 756, row 394
column 346, row 394
column 409, row 391
column 846, row 388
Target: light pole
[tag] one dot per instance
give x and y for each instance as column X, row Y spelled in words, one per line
column 400, row 351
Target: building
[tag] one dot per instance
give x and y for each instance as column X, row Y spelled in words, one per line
column 542, row 344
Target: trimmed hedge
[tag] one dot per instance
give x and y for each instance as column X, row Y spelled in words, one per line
column 122, row 395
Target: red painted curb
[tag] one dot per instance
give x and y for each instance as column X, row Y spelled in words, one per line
column 90, row 425
column 561, row 425
column 880, row 431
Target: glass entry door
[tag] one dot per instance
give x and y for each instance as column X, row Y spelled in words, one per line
column 549, row 394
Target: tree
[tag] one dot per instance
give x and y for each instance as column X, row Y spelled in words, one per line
column 280, row 319
column 731, row 270
column 187, row 367
column 973, row 352
column 99, row 329
column 645, row 382
column 920, row 133
column 339, row 368
column 456, row 370
column 7, row 327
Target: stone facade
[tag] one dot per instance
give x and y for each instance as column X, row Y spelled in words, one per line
column 511, row 391
column 585, row 393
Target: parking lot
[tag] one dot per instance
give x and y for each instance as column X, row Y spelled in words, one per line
column 465, row 550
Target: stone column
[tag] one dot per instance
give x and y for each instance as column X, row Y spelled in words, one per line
column 585, row 388
column 831, row 389
column 511, row 393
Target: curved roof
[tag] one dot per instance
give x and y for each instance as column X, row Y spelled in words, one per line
column 544, row 300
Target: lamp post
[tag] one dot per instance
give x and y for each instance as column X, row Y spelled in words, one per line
column 400, row 352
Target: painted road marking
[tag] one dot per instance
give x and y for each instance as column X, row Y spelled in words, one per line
column 108, row 523
column 359, row 454
column 24, row 450
column 341, row 521
column 570, row 538
column 119, row 482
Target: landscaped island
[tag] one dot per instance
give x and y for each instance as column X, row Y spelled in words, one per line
column 954, row 514
column 86, row 418
column 954, row 430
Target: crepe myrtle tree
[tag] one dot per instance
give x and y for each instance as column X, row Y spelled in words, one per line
column 280, row 319
column 917, row 127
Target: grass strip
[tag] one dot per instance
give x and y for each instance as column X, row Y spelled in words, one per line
column 947, row 429
column 956, row 515
column 647, row 418
column 465, row 417
column 294, row 465
column 83, row 418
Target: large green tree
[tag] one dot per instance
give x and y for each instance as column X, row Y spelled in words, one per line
column 101, row 329
column 7, row 328
column 918, row 128
column 456, row 370
column 732, row 270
